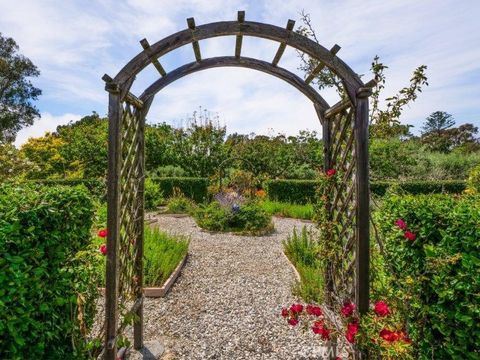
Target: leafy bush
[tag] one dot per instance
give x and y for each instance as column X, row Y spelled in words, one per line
column 303, row 251
column 168, row 171
column 435, row 261
column 96, row 187
column 47, row 271
column 420, row 187
column 163, row 253
column 245, row 218
column 296, row 211
column 180, row 204
column 193, row 188
column 291, row 191
column 153, row 194
column 473, row 182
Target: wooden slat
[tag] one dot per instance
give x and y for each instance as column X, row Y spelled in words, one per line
column 338, row 107
column 110, row 86
column 334, row 50
column 283, row 44
column 153, row 59
column 239, row 39
column 195, row 45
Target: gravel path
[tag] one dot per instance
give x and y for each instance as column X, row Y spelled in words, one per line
column 227, row 301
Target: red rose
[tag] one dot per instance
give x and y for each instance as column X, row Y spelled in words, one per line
column 348, row 309
column 296, row 308
column 352, row 327
column 284, row 312
column 102, row 233
column 314, row 310
column 401, row 224
column 350, row 337
column 325, row 333
column 381, row 308
column 293, row 321
column 410, row 235
column 103, row 249
column 389, row 335
column 331, row 172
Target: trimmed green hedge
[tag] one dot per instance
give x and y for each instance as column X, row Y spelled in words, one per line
column 437, row 274
column 193, row 188
column 303, row 191
column 45, row 263
column 96, row 187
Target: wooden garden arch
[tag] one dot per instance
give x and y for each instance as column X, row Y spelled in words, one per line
column 345, row 137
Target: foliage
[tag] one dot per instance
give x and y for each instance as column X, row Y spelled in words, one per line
column 462, row 138
column 193, row 188
column 419, row 187
column 291, row 191
column 153, row 194
column 180, row 204
column 13, row 165
column 437, row 121
column 47, row 278
column 433, row 253
column 169, row 171
column 473, row 182
column 304, row 253
column 97, row 188
column 16, row 91
column 454, row 165
column 248, row 218
column 163, row 253
column 295, row 211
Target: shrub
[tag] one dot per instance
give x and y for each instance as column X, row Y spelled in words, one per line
column 153, row 194
column 96, row 187
column 296, row 211
column 246, row 218
column 473, row 182
column 420, row 187
column 193, row 188
column 163, row 253
column 180, row 204
column 169, row 171
column 436, row 265
column 291, row 191
column 47, row 271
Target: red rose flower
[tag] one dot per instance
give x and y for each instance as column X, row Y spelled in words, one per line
column 350, row 337
column 102, row 233
column 284, row 312
column 103, row 249
column 352, row 330
column 325, row 333
column 381, row 308
column 296, row 308
column 331, row 172
column 410, row 235
column 401, row 224
column 388, row 335
column 319, row 329
column 314, row 310
column 348, row 309
column 293, row 321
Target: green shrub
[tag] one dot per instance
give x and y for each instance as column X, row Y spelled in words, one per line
column 303, row 251
column 473, row 182
column 163, row 253
column 168, row 171
column 296, row 211
column 47, row 271
column 437, row 273
column 153, row 194
column 96, row 187
column 180, row 204
column 249, row 218
column 420, row 187
column 291, row 191
column 193, row 188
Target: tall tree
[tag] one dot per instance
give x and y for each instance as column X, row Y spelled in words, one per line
column 436, row 122
column 16, row 92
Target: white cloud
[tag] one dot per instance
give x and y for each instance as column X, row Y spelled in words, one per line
column 47, row 123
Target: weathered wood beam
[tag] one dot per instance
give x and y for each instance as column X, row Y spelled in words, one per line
column 283, row 44
column 195, row 45
column 238, row 42
column 338, row 107
column 334, row 50
column 113, row 87
column 155, row 62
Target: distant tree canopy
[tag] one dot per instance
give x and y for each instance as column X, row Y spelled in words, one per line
column 16, row 92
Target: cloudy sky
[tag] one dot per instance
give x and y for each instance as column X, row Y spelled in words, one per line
column 75, row 42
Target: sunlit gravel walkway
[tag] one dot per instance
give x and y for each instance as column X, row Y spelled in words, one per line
column 226, row 303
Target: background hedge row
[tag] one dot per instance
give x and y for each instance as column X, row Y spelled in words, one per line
column 46, row 268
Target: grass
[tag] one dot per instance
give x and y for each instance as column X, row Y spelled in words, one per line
column 302, row 250
column 163, row 252
column 295, row 211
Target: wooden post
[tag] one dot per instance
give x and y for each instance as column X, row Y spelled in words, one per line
column 362, row 253
column 239, row 39
column 113, row 219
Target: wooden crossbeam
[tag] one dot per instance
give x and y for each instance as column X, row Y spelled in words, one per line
column 338, row 107
column 110, row 86
column 153, row 59
column 196, row 46
column 238, row 42
column 334, row 50
column 283, row 44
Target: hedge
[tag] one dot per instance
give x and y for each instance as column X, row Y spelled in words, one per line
column 96, row 187
column 45, row 270
column 303, row 191
column 437, row 273
column 193, row 188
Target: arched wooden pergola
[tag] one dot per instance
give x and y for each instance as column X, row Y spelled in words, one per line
column 345, row 137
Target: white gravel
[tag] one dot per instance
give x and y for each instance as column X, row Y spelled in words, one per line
column 226, row 303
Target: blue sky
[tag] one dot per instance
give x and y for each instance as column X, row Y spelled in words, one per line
column 75, row 42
